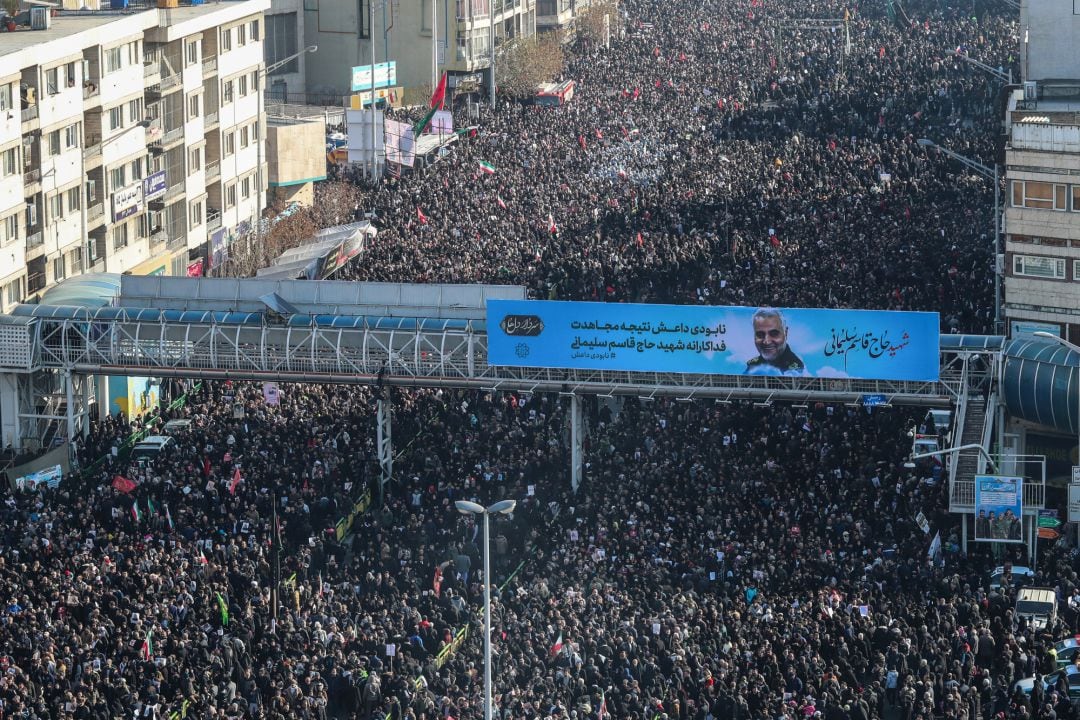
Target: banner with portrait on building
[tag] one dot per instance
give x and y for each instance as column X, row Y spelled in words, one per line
column 999, row 508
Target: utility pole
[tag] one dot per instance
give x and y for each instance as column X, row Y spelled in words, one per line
column 491, row 40
column 374, row 150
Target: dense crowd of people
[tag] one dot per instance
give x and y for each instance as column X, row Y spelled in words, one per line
column 718, row 561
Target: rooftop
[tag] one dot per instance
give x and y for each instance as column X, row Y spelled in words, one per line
column 64, row 25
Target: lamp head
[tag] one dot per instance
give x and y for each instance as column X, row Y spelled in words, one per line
column 468, row 508
column 502, row 507
column 925, row 142
column 1044, row 334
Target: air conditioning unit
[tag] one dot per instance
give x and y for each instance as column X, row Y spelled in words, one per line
column 1031, row 90
column 40, row 18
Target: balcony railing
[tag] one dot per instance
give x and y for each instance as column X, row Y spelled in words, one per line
column 35, row 282
column 35, row 240
column 151, row 69
column 90, row 89
column 213, row 220
column 32, row 176
column 158, row 237
column 210, row 119
column 172, row 135
column 213, row 171
column 170, row 82
column 174, row 191
column 209, row 65
column 94, row 212
column 29, row 113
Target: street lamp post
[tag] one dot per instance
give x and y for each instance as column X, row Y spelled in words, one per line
column 503, row 507
column 991, row 173
column 1075, row 349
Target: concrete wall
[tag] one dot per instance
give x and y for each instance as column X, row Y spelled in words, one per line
column 1053, row 34
column 296, row 152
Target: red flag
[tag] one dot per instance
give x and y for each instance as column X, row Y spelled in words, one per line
column 682, row 57
column 235, row 481
column 581, row 142
column 122, row 484
column 436, row 583
column 774, row 238
column 599, row 135
column 558, row 646
column 640, row 241
column 499, row 202
column 881, row 51
column 438, row 98
column 637, row 91
column 421, row 216
column 552, row 227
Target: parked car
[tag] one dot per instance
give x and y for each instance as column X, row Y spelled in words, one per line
column 1067, row 650
column 1049, row 681
column 150, row 446
column 1019, row 576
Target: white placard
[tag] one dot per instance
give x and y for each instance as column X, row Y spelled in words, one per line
column 1074, row 502
column 391, row 650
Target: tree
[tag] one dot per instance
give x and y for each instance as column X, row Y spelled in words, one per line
column 525, row 63
column 591, row 25
column 335, row 204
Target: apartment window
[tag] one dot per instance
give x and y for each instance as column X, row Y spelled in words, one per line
column 241, row 35
column 58, row 268
column 193, row 106
column 116, row 178
column 11, row 227
column 1040, row 195
column 194, row 161
column 91, row 190
column 134, row 56
column 116, row 118
column 243, row 86
column 11, row 161
column 243, row 137
column 230, row 196
column 1076, row 270
column 13, row 291
column 254, row 81
column 112, row 60
column 56, row 206
column 230, row 144
column 120, row 236
column 245, row 188
column 75, row 261
column 69, row 75
column 5, row 97
column 196, row 213
column 54, row 142
column 227, row 92
column 254, row 31
column 226, row 40
column 425, row 16
column 52, row 80
column 1039, row 266
column 193, row 52
column 73, row 199
column 255, row 131
column 136, row 170
column 71, row 136
column 135, row 109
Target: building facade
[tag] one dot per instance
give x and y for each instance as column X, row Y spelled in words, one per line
column 425, row 38
column 127, row 141
column 1041, row 263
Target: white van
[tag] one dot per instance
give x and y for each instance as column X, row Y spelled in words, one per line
column 150, row 446
column 1036, row 605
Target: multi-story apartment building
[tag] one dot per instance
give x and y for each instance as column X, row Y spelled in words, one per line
column 1042, row 177
column 424, row 38
column 128, row 141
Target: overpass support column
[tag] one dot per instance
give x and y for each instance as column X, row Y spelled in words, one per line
column 383, row 441
column 10, row 432
column 576, row 441
column 69, row 404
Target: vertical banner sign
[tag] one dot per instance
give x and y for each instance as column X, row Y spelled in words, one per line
column 1049, row 522
column 999, row 506
column 797, row 342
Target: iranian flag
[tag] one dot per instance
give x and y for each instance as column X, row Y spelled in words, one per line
column 603, row 706
column 148, row 645
column 235, row 481
column 557, row 647
column 421, row 216
column 487, row 167
column 168, row 518
column 202, row 558
column 552, row 227
column 135, row 511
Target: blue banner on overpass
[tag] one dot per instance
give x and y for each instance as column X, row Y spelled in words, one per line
column 800, row 342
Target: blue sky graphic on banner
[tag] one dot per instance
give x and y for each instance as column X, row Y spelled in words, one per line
column 803, row 342
column 999, row 506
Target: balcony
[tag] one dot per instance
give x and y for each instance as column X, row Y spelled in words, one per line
column 213, row 171
column 32, row 176
column 94, row 213
column 213, row 220
column 174, row 192
column 169, row 82
column 35, row 240
column 152, row 72
column 209, row 65
column 35, row 282
column 90, row 89
column 30, row 113
column 158, row 237
column 171, row 137
column 210, row 120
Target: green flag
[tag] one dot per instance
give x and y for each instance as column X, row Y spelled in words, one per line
column 224, row 607
column 418, row 129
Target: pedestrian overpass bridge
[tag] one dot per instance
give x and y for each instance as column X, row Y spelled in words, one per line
column 388, row 334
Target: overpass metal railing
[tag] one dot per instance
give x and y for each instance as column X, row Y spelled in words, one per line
column 406, row 357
